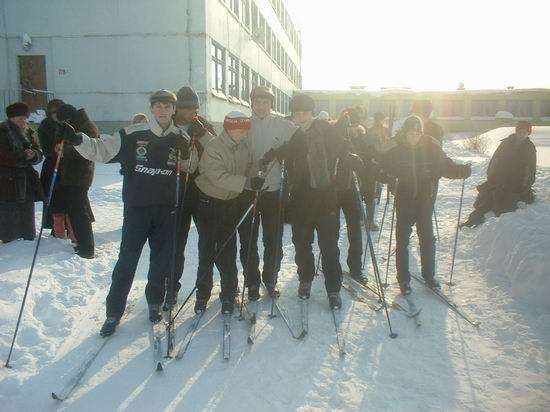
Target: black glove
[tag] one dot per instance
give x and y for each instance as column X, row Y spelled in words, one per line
column 256, row 183
column 355, row 162
column 197, row 129
column 182, row 145
column 269, row 156
column 465, row 171
column 66, row 131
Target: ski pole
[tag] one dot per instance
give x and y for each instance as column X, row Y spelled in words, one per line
column 450, row 282
column 392, row 335
column 385, row 284
column 44, row 214
column 249, row 251
column 383, row 218
column 218, row 253
column 279, row 237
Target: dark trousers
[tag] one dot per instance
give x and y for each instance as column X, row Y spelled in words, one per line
column 188, row 209
column 347, row 202
column 267, row 213
column 407, row 214
column 326, row 222
column 78, row 208
column 217, row 220
column 141, row 224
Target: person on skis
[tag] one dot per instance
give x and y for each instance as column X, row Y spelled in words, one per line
column 417, row 162
column 148, row 155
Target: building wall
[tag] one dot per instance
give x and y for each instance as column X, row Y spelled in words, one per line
column 110, row 63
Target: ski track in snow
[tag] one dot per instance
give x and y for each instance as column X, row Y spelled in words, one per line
column 446, row 364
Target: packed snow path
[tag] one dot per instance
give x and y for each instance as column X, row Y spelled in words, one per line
column 446, row 364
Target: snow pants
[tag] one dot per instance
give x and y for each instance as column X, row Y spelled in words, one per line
column 141, row 224
column 217, row 221
column 267, row 213
column 347, row 202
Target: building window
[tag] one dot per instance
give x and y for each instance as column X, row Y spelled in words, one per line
column 545, row 108
column 245, row 13
column 520, row 108
column 268, row 40
column 233, row 76
column 451, row 108
column 254, row 17
column 245, row 82
column 218, row 61
column 484, row 108
column 255, row 80
column 260, row 36
column 262, row 81
column 234, row 6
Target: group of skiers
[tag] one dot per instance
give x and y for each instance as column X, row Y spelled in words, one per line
column 260, row 170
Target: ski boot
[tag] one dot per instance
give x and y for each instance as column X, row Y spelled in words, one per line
column 405, row 288
column 227, row 307
column 272, row 290
column 359, row 277
column 334, row 300
column 155, row 314
column 200, row 305
column 433, row 283
column 304, row 290
column 109, row 326
column 253, row 293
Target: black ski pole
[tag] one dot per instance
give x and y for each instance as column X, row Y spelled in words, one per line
column 44, row 214
column 279, row 237
column 376, row 270
column 246, row 272
column 218, row 253
column 450, row 282
column 436, row 224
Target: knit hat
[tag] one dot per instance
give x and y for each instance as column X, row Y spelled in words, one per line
column 17, row 109
column 525, row 125
column 236, row 120
column 163, row 96
column 413, row 123
column 66, row 112
column 53, row 105
column 301, row 103
column 323, row 115
column 262, row 91
column 188, row 98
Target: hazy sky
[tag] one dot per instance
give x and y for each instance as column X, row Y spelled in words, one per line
column 424, row 44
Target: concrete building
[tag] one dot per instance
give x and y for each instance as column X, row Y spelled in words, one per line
column 109, row 55
column 461, row 110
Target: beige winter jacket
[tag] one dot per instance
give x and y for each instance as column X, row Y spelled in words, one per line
column 223, row 168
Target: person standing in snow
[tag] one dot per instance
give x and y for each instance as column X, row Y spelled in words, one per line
column 19, row 184
column 148, row 154
column 417, row 162
column 197, row 131
column 223, row 177
column 76, row 174
column 510, row 176
column 311, row 158
column 267, row 132
column 348, row 127
column 424, row 109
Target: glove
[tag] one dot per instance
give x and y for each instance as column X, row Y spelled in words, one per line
column 355, row 162
column 66, row 131
column 269, row 156
column 182, row 145
column 197, row 129
column 256, row 183
column 465, row 171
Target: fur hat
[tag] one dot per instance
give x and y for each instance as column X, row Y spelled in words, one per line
column 236, row 120
column 262, row 91
column 17, row 109
column 162, row 96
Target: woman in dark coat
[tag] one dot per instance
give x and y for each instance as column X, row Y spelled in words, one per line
column 47, row 138
column 75, row 178
column 19, row 184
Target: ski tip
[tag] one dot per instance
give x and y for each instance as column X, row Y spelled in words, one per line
column 476, row 323
column 250, row 341
column 57, row 398
column 302, row 335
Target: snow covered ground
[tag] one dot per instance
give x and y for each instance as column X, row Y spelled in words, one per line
column 502, row 280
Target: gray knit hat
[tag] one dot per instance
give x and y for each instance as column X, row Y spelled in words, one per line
column 187, row 98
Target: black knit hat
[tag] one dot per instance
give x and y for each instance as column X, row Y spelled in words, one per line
column 188, row 98
column 413, row 123
column 301, row 103
column 17, row 109
column 66, row 112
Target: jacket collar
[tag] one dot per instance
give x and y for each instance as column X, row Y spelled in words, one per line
column 228, row 141
column 157, row 130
